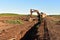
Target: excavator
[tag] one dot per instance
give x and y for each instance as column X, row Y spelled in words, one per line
column 40, row 16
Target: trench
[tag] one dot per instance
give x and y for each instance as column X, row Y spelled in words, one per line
column 32, row 33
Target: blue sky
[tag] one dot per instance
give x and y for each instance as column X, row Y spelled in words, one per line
column 23, row 6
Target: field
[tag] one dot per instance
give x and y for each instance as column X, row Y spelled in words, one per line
column 17, row 27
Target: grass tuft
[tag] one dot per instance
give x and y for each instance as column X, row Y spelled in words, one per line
column 14, row 21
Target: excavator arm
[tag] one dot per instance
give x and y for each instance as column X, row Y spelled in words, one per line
column 33, row 10
column 38, row 15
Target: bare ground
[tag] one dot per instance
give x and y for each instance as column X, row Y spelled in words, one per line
column 47, row 30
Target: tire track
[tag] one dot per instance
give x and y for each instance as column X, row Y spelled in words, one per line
column 46, row 31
